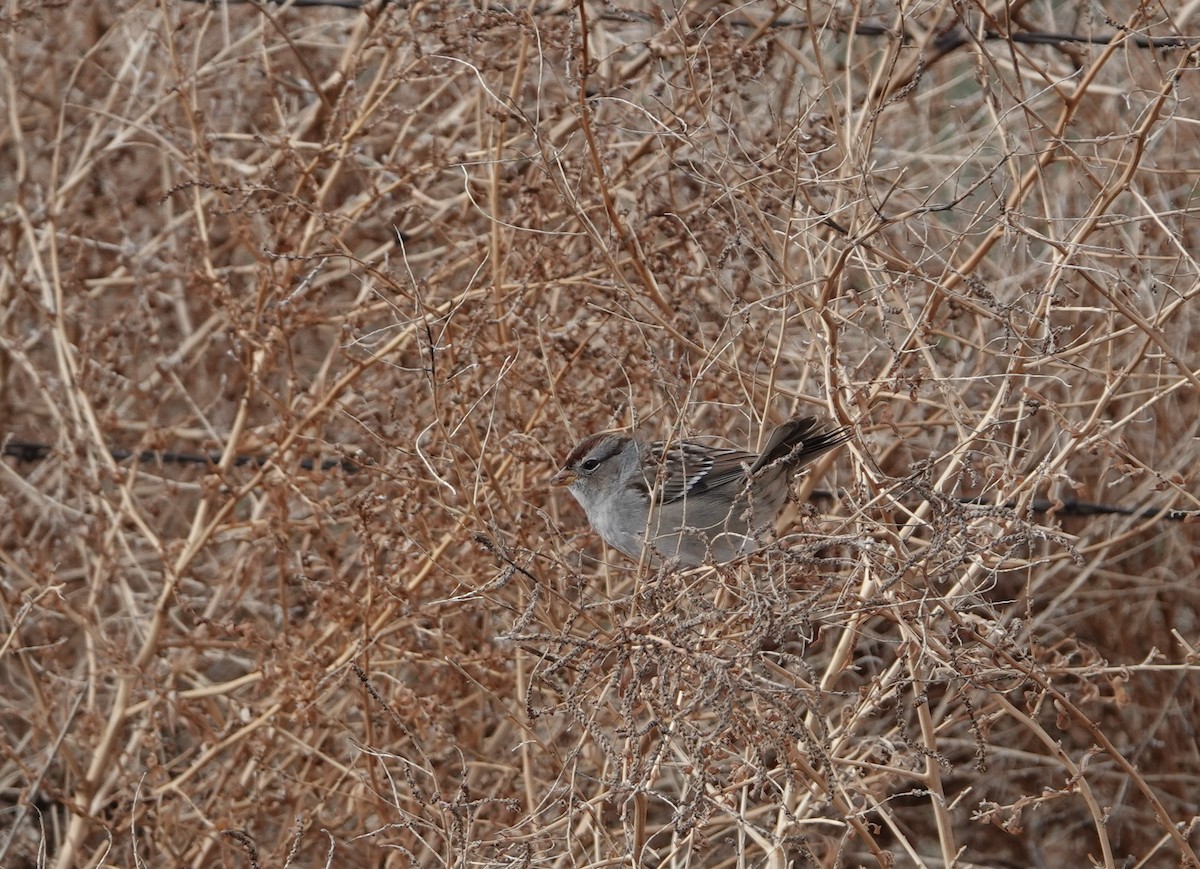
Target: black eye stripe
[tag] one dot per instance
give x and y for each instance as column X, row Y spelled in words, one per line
column 594, row 450
column 582, row 448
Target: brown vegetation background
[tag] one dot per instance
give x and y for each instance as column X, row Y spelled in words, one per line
column 444, row 240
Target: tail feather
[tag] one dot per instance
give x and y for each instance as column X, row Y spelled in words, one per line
column 799, row 441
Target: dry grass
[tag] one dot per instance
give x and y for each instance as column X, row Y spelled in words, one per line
column 445, row 242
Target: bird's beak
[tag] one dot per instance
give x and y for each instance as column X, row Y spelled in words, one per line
column 563, row 478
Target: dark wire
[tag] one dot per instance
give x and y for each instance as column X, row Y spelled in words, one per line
column 25, row 451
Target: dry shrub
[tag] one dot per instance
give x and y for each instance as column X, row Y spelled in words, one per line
column 407, row 255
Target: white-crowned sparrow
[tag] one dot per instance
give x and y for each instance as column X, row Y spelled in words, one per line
column 684, row 499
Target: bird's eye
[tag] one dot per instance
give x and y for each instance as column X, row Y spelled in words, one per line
column 590, row 465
